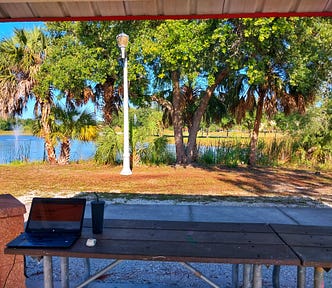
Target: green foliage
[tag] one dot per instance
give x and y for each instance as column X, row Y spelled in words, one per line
column 230, row 153
column 146, row 148
column 72, row 123
column 157, row 153
column 144, row 124
column 23, row 124
column 283, row 59
column 27, row 124
column 208, row 157
column 313, row 138
column 171, row 42
column 187, row 46
column 21, row 58
column 108, row 146
column 69, row 64
column 5, row 125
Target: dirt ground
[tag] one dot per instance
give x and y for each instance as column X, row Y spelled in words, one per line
column 168, row 182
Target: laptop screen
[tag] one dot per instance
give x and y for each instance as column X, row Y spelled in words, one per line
column 56, row 215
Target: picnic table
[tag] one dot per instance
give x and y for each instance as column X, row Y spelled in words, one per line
column 185, row 242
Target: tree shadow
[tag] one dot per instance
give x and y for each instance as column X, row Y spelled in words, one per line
column 280, row 182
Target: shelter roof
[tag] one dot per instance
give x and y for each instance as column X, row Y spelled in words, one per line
column 61, row 10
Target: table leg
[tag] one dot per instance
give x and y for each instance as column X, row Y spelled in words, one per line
column 319, row 277
column 48, row 272
column 235, row 275
column 276, row 276
column 87, row 268
column 246, row 275
column 199, row 274
column 301, row 275
column 64, row 262
column 257, row 276
column 98, row 274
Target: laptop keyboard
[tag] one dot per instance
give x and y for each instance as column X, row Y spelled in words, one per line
column 48, row 239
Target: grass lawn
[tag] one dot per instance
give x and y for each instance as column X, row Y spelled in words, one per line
column 167, row 182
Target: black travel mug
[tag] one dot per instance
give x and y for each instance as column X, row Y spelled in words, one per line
column 97, row 214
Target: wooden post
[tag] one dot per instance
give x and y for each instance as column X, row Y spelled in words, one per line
column 11, row 225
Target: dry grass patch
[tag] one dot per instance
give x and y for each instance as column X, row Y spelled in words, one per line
column 165, row 181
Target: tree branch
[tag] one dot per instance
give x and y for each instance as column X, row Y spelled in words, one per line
column 162, row 101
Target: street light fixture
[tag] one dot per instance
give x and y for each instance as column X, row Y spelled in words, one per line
column 123, row 40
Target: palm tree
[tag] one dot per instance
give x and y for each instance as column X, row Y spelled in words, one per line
column 21, row 59
column 71, row 124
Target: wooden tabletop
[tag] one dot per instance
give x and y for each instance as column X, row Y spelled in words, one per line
column 312, row 244
column 234, row 243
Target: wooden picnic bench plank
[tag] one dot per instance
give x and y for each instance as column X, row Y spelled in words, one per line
column 302, row 229
column 312, row 244
column 306, row 240
column 186, row 236
column 183, row 225
column 183, row 252
column 314, row 256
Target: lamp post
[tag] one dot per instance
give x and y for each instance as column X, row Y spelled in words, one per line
column 123, row 40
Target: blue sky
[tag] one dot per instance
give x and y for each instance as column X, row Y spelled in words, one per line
column 7, row 29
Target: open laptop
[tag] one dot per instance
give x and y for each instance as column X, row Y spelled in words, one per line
column 52, row 223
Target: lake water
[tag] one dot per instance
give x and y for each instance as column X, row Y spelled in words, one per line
column 31, row 148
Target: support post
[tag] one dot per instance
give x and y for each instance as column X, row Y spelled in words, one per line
column 257, row 276
column 87, row 268
column 122, row 40
column 319, row 277
column 235, row 275
column 301, row 275
column 126, row 152
column 276, row 276
column 246, row 275
column 64, row 263
column 48, row 272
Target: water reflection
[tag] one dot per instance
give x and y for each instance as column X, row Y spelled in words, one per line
column 31, row 148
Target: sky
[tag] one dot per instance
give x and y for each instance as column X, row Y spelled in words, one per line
column 7, row 28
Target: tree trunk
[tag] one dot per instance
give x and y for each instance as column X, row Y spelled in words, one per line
column 177, row 119
column 64, row 152
column 50, row 151
column 45, row 108
column 108, row 109
column 255, row 132
column 193, row 130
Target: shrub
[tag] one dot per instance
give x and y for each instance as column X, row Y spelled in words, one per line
column 157, row 152
column 108, row 147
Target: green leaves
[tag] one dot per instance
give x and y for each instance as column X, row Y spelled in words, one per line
column 176, row 45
